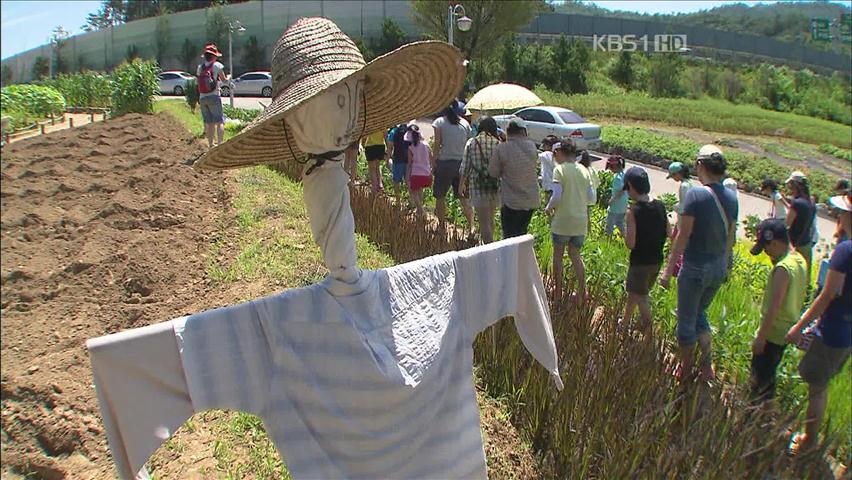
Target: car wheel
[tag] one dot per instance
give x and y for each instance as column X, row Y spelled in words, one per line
column 178, row 90
column 226, row 92
column 266, row 92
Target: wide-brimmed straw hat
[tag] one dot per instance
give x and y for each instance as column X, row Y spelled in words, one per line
column 312, row 56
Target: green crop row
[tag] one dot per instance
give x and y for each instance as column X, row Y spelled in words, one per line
column 749, row 170
column 83, row 90
column 27, row 104
column 706, row 114
column 841, row 153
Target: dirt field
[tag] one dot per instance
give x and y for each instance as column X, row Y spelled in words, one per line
column 106, row 227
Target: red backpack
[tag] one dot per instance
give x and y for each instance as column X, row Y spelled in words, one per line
column 206, row 82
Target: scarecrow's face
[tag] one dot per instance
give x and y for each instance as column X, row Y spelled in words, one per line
column 329, row 121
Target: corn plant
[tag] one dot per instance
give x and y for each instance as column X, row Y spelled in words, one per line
column 134, row 86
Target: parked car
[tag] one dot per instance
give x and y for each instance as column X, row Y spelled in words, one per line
column 561, row 122
column 252, row 84
column 173, row 82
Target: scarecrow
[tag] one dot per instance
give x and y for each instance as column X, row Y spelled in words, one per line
column 367, row 374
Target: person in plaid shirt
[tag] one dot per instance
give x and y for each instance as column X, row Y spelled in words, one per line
column 484, row 189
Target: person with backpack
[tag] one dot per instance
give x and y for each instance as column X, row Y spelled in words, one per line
column 706, row 233
column 398, row 155
column 801, row 217
column 209, row 74
column 484, row 189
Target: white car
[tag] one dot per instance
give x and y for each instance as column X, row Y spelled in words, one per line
column 173, row 82
column 250, row 83
column 561, row 122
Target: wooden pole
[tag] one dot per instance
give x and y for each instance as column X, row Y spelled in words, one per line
column 52, row 120
column 91, row 117
column 41, row 128
column 70, row 122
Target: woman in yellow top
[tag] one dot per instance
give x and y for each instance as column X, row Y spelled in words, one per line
column 374, row 150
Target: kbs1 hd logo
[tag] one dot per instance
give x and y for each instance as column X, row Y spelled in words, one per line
column 644, row 43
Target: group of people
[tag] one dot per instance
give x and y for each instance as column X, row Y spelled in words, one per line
column 490, row 169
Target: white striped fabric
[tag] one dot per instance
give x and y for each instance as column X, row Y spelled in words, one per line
column 364, row 381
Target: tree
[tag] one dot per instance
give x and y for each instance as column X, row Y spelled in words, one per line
column 561, row 57
column 493, row 20
column 622, row 72
column 110, row 14
column 58, row 40
column 578, row 63
column 41, row 68
column 216, row 26
column 162, row 34
column 509, row 58
column 253, row 58
column 188, row 54
column 392, row 37
column 665, row 72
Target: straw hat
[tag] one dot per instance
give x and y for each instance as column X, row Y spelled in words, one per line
column 312, row 56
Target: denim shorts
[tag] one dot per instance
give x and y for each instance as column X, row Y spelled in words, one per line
column 211, row 109
column 696, row 287
column 399, row 169
column 615, row 220
column 575, row 241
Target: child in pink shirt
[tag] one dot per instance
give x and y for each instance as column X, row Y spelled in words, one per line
column 419, row 172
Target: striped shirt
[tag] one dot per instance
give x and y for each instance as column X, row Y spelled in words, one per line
column 474, row 166
column 367, row 380
column 515, row 163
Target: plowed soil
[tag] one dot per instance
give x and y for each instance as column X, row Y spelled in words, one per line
column 104, row 228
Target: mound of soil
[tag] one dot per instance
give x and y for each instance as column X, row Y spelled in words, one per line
column 104, row 227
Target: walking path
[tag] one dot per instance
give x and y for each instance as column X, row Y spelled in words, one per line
column 79, row 120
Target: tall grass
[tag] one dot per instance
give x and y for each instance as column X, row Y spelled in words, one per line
column 706, row 114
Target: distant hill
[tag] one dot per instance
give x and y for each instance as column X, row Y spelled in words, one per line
column 784, row 21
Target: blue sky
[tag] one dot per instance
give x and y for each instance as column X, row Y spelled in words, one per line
column 27, row 23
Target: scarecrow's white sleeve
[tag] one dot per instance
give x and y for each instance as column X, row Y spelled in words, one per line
column 326, row 193
column 502, row 279
column 142, row 392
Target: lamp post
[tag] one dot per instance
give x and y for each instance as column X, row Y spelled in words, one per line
column 464, row 21
column 238, row 27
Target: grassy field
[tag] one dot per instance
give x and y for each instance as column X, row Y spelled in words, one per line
column 707, row 114
column 748, row 169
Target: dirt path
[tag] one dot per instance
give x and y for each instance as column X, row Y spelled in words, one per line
column 104, row 228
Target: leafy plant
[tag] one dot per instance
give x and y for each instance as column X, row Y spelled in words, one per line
column 669, row 201
column 134, row 86
column 750, row 225
column 216, row 25
column 392, row 37
column 841, row 153
column 190, row 92
column 37, row 100
column 244, row 115
column 86, row 89
column 162, row 36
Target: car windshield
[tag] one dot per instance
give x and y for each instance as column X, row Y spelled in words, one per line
column 571, row 117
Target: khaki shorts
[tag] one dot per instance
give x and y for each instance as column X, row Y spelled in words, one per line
column 821, row 363
column 640, row 278
column 486, row 201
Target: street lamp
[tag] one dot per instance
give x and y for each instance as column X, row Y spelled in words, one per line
column 232, row 27
column 464, row 21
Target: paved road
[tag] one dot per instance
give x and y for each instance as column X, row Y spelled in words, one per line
column 749, row 204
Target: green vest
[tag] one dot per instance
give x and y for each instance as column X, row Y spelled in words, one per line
column 794, row 264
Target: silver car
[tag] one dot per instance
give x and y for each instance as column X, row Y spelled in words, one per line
column 252, row 84
column 561, row 122
column 173, row 82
